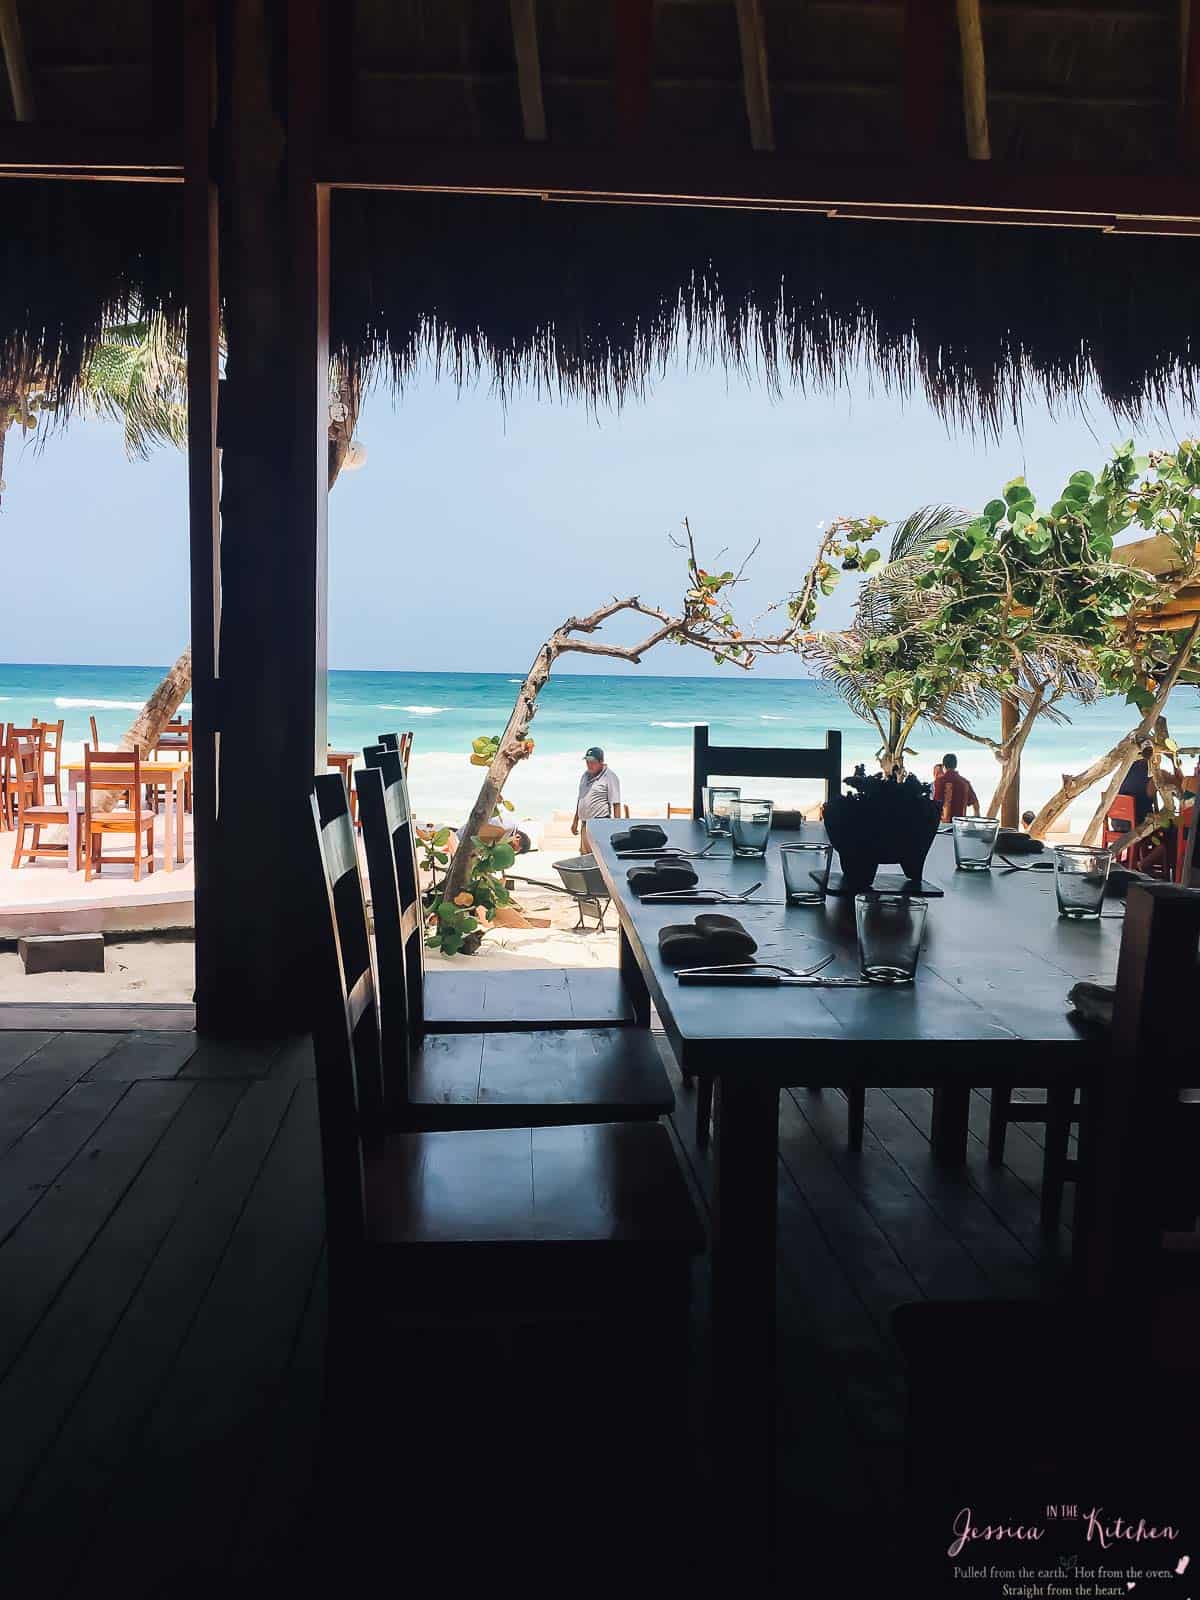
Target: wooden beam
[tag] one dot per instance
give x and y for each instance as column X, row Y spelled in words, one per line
column 1189, row 99
column 633, row 34
column 756, row 80
column 202, row 289
column 12, row 46
column 33, row 151
column 963, row 190
column 926, row 68
column 974, row 80
column 523, row 14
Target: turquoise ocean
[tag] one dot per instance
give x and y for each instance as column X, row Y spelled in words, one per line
column 644, row 724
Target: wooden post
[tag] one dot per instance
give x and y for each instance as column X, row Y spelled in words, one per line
column 203, row 311
column 974, row 80
column 756, row 81
column 12, row 48
column 262, row 913
column 1010, row 806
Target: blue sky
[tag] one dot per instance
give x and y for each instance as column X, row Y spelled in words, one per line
column 474, row 528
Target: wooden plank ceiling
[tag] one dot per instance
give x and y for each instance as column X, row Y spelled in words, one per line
column 1022, row 81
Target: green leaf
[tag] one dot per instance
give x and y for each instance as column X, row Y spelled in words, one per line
column 995, row 511
column 1084, row 478
column 870, row 558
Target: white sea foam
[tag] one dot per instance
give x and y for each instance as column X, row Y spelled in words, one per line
column 414, row 711
column 98, row 705
column 674, row 724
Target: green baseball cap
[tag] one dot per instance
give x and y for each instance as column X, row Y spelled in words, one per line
column 594, row 754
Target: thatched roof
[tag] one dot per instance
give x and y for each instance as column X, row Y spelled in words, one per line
column 75, row 257
column 590, row 301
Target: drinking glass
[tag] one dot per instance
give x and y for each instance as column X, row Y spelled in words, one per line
column 1080, row 874
column 750, row 825
column 717, row 804
column 890, row 930
column 806, row 873
column 974, row 841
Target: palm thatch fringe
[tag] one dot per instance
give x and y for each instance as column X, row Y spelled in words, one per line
column 590, row 302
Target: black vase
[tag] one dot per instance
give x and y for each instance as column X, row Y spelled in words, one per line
column 882, row 823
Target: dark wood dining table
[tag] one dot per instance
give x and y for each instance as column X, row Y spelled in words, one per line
column 989, row 1007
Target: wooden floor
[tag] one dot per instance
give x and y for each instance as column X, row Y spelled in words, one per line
column 162, row 1305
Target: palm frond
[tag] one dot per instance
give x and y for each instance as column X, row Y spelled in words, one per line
column 924, row 527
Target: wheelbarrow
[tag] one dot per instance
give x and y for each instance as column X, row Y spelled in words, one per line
column 583, row 881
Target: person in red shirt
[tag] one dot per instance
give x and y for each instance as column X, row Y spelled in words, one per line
column 952, row 791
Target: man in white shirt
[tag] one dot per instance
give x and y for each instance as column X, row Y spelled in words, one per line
column 599, row 794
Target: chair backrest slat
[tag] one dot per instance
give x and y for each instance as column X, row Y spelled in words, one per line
column 395, row 902
column 346, row 1036
column 763, row 761
column 400, row 742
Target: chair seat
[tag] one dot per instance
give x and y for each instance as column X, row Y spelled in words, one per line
column 45, row 815
column 556, row 1075
column 603, row 1184
column 118, row 821
column 556, row 998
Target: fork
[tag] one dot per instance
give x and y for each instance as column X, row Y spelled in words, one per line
column 759, row 972
column 672, row 852
column 700, row 897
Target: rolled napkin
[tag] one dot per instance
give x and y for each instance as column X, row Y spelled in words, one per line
column 654, row 877
column 1093, row 1001
column 786, row 820
column 643, row 836
column 707, row 941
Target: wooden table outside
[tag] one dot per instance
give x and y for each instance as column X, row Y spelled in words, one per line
column 989, row 1007
column 173, row 774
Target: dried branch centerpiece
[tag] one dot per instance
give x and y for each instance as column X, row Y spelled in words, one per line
column 883, row 819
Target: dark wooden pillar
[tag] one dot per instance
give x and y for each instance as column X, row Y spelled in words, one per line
column 201, row 264
column 259, row 914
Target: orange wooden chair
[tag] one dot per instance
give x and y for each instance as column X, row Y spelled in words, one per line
column 1123, row 809
column 1183, row 822
column 7, row 816
column 26, row 758
column 678, row 811
column 95, row 733
column 176, row 742
column 115, row 772
column 52, row 746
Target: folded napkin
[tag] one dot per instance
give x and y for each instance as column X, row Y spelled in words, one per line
column 1012, row 842
column 707, row 941
column 786, row 819
column 654, row 877
column 1093, row 1001
column 642, row 836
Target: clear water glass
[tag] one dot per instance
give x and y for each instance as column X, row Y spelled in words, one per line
column 1080, row 875
column 806, row 873
column 750, row 826
column 974, row 841
column 890, row 930
column 718, row 803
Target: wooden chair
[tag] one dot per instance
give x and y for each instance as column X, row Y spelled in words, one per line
column 115, row 772
column 468, row 1001
column 400, row 742
column 26, row 760
column 1123, row 810
column 52, row 747
column 1130, row 1331
column 7, row 814
column 175, row 741
column 95, row 733
column 679, row 811
column 763, row 761
column 576, row 1242
column 482, row 1079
